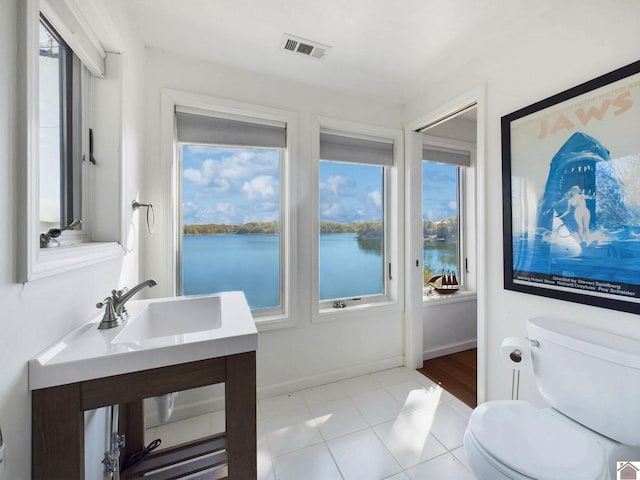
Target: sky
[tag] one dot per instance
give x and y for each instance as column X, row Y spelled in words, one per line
column 230, row 185
column 350, row 192
column 238, row 185
column 439, row 191
column 49, row 146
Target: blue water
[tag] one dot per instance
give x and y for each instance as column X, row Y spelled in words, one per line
column 437, row 258
column 348, row 268
column 617, row 260
column 218, row 263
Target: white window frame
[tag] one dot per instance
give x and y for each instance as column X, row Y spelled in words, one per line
column 78, row 249
column 172, row 177
column 392, row 298
column 466, row 194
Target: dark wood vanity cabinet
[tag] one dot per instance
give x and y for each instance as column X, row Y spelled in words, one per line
column 58, row 422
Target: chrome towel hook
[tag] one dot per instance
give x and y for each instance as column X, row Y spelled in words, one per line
column 151, row 216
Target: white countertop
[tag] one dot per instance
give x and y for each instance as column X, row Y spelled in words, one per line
column 87, row 353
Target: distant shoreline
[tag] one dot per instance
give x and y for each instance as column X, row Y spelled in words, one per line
column 443, row 231
column 364, row 230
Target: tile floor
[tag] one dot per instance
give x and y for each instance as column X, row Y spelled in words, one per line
column 395, row 424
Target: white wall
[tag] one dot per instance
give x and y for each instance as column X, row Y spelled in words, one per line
column 449, row 325
column 308, row 353
column 38, row 313
column 557, row 45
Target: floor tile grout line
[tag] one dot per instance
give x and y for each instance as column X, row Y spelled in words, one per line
column 402, row 469
column 348, row 395
column 371, row 427
column 334, row 460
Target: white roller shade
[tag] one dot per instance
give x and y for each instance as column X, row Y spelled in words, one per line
column 451, row 157
column 67, row 19
column 195, row 126
column 343, row 148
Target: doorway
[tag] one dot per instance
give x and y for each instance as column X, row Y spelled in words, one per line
column 448, row 194
column 450, row 324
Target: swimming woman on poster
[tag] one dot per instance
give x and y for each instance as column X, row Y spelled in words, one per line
column 578, row 202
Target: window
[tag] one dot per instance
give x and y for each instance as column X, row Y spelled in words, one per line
column 60, row 54
column 231, row 226
column 353, row 246
column 60, row 132
column 442, row 172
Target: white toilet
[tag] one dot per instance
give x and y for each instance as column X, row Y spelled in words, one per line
column 591, row 380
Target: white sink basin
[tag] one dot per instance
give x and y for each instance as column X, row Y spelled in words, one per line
column 158, row 333
column 173, row 317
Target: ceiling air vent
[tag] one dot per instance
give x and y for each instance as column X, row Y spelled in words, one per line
column 291, row 43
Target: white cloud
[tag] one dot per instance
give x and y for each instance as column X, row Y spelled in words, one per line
column 217, row 174
column 207, row 177
column 261, row 187
column 189, row 210
column 375, row 197
column 195, row 176
column 246, row 163
column 230, row 185
column 331, row 212
column 226, row 208
column 334, row 186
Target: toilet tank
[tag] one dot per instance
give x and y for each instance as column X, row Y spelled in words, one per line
column 590, row 375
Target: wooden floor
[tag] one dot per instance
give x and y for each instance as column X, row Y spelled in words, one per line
column 456, row 373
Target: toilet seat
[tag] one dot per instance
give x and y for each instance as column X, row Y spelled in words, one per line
column 520, row 441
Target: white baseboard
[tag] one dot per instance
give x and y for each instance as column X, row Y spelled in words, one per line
column 449, row 349
column 328, row 377
column 208, row 405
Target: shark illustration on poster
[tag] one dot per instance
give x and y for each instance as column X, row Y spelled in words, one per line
column 571, row 191
column 583, row 213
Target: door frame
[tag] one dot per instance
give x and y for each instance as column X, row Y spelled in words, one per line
column 413, row 245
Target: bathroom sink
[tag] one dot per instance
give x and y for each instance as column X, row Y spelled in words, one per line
column 172, row 317
column 158, row 333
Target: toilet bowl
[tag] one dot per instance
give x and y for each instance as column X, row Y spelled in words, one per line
column 516, row 440
column 591, row 380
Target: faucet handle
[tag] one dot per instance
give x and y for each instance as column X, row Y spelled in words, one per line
column 118, row 293
column 110, row 318
column 107, row 302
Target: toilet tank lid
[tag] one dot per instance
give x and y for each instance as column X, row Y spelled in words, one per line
column 592, row 341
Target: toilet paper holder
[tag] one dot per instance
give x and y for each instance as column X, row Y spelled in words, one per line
column 515, row 379
column 517, row 357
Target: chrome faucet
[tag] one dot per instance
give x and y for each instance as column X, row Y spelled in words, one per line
column 114, row 312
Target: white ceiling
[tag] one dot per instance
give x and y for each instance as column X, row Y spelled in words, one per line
column 383, row 48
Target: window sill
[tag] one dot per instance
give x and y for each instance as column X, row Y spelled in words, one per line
column 51, row 261
column 362, row 310
column 273, row 322
column 437, row 299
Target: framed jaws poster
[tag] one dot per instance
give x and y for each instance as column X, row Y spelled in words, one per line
column 571, row 194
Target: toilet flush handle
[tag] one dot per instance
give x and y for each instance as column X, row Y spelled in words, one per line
column 533, row 342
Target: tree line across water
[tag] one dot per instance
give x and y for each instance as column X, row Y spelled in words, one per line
column 251, row 228
column 364, row 230
column 445, row 230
